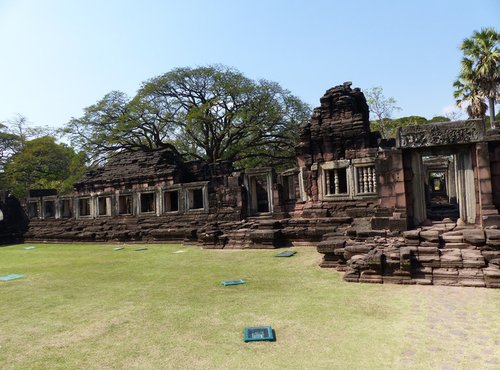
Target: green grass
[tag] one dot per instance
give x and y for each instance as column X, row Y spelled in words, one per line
column 89, row 307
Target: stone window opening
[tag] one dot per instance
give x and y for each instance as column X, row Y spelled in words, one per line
column 195, row 199
column 33, row 210
column 84, row 207
column 291, row 187
column 125, row 204
column 148, row 202
column 258, row 184
column 366, row 180
column 104, row 206
column 171, row 201
column 49, row 209
column 66, row 208
column 336, row 181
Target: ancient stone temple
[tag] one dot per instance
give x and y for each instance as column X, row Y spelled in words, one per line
column 419, row 209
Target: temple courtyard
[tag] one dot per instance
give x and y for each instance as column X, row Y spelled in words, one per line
column 93, row 307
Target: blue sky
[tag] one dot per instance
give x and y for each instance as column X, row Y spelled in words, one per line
column 58, row 57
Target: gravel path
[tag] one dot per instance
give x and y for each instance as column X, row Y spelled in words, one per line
column 454, row 328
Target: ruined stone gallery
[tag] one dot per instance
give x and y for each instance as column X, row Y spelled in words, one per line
column 419, row 209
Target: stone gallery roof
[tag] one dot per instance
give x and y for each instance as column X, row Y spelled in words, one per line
column 133, row 167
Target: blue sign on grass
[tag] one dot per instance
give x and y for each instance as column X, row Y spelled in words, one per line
column 11, row 277
column 233, row 282
column 257, row 333
column 286, row 254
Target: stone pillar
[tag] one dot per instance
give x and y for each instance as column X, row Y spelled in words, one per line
column 418, row 190
column 450, row 183
column 466, row 188
column 486, row 207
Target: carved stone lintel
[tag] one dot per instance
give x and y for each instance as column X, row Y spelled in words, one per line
column 446, row 133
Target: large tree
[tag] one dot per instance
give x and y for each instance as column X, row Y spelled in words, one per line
column 42, row 163
column 479, row 77
column 14, row 133
column 117, row 123
column 9, row 144
column 209, row 113
column 383, row 108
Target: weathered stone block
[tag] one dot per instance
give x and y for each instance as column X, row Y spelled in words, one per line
column 491, row 277
column 265, row 236
column 428, row 251
column 489, row 255
column 330, row 245
column 430, row 244
column 452, row 237
column 492, row 234
column 351, row 275
column 445, row 276
column 412, row 234
column 358, row 248
column 430, row 235
column 370, row 276
column 470, row 273
column 459, row 246
column 475, row 237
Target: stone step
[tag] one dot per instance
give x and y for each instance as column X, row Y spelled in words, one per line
column 491, row 220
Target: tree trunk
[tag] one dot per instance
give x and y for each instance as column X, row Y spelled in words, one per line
column 491, row 103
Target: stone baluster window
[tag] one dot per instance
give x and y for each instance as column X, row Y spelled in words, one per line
column 366, row 180
column 336, row 181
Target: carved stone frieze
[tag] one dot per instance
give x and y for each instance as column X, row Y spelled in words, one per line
column 437, row 134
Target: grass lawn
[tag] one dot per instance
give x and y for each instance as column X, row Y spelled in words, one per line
column 89, row 307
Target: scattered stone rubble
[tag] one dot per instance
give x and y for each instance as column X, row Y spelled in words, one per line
column 441, row 254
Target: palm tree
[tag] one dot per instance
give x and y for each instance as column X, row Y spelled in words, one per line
column 480, row 74
column 468, row 95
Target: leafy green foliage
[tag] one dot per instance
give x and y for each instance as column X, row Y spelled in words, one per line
column 43, row 163
column 9, row 144
column 439, row 119
column 383, row 108
column 391, row 125
column 209, row 113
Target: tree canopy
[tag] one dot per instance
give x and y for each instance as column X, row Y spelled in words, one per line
column 210, row 113
column 42, row 163
column 479, row 77
column 14, row 133
column 383, row 108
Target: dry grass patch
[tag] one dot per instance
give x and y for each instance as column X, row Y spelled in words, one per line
column 89, row 307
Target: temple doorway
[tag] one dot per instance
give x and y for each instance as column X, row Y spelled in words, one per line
column 259, row 190
column 443, row 185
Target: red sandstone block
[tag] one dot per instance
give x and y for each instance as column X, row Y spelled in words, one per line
column 388, row 202
column 400, row 201
column 484, row 173
column 384, row 191
column 400, row 187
